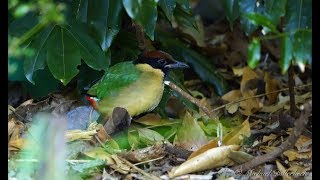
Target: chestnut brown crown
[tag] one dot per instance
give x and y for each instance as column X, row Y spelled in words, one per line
column 160, row 60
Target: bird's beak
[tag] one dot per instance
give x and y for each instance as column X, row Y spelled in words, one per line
column 177, row 65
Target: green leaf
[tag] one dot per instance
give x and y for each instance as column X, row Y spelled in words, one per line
column 168, row 6
column 302, row 48
column 36, row 62
column 247, row 6
column 97, row 16
column 262, row 20
column 79, row 10
column 299, row 15
column 86, row 166
column 274, row 10
column 63, row 55
column 45, row 83
column 133, row 138
column 190, row 25
column 148, row 136
column 254, row 53
column 114, row 21
column 199, row 63
column 90, row 51
column 286, row 54
column 143, row 12
column 185, row 5
column 232, row 10
column 190, row 135
column 125, row 47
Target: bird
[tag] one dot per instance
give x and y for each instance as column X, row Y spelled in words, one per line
column 135, row 85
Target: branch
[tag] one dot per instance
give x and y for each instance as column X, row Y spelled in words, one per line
column 288, row 144
column 259, row 95
column 205, row 109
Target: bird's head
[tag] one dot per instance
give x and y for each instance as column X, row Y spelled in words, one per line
column 160, row 60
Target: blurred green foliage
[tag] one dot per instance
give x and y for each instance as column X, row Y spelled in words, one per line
column 63, row 35
column 289, row 20
column 60, row 36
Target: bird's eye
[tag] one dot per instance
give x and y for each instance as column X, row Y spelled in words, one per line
column 161, row 61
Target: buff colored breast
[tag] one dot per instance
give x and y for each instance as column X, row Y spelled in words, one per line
column 139, row 97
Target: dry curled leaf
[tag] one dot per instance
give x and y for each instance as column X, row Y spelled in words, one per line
column 212, row 158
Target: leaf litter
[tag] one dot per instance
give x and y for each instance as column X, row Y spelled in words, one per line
column 170, row 147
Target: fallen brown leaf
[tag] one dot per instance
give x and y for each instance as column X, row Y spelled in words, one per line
column 271, row 85
column 212, row 158
column 251, row 105
column 233, row 95
column 283, row 171
column 248, row 74
column 293, row 155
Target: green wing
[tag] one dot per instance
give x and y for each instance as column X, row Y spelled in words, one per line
column 118, row 76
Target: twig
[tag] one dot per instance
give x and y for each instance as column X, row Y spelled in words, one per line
column 177, row 151
column 151, row 160
column 192, row 99
column 289, row 143
column 149, row 176
column 291, row 91
column 259, row 95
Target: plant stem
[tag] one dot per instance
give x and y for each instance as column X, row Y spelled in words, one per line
column 205, row 109
column 26, row 36
column 291, row 91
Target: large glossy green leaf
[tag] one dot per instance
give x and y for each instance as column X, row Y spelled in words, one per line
column 37, row 61
column 286, row 53
column 90, row 51
column 44, row 84
column 114, row 21
column 63, row 55
column 97, row 15
column 299, row 15
column 199, row 63
column 232, row 10
column 254, row 53
column 168, row 6
column 245, row 7
column 274, row 10
column 144, row 12
column 79, row 10
column 302, row 48
column 262, row 20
